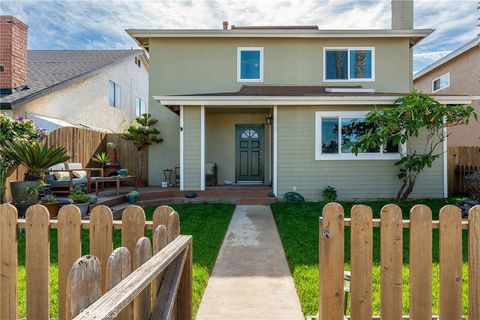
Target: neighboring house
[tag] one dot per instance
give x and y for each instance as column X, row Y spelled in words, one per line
column 456, row 73
column 98, row 89
column 266, row 104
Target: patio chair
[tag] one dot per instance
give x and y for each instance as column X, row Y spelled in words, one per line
column 64, row 178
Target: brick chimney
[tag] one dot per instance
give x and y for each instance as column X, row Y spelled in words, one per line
column 402, row 14
column 13, row 53
column 225, row 25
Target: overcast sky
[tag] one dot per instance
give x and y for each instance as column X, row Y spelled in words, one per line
column 100, row 24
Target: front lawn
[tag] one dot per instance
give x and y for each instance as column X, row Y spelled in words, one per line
column 207, row 223
column 298, row 227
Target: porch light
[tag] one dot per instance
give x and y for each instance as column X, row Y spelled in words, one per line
column 269, row 120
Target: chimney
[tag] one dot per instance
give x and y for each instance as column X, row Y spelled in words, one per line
column 402, row 14
column 225, row 25
column 13, row 53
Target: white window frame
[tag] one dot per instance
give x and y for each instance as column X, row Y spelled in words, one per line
column 319, row 155
column 433, row 82
column 141, row 100
column 239, row 63
column 325, row 49
column 115, row 85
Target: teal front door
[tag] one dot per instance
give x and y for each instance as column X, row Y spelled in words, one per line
column 249, row 153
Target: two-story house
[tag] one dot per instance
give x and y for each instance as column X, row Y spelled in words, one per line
column 272, row 105
column 456, row 73
column 98, row 89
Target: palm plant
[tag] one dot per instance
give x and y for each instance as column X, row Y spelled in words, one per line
column 102, row 158
column 36, row 158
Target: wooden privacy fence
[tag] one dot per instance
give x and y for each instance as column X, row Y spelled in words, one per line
column 101, row 285
column 82, row 144
column 450, row 225
column 462, row 161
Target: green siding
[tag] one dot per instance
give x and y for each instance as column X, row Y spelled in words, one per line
column 191, row 147
column 188, row 65
column 353, row 179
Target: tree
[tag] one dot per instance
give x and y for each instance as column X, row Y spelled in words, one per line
column 412, row 114
column 142, row 134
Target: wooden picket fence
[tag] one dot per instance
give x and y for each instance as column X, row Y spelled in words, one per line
column 450, row 225
column 462, row 161
column 126, row 283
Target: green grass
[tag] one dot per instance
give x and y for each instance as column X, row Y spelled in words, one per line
column 207, row 223
column 298, row 227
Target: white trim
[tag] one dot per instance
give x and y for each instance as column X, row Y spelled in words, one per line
column 239, row 63
column 350, row 90
column 348, row 49
column 346, row 156
column 445, row 160
column 448, row 57
column 415, row 34
column 297, row 100
column 275, row 151
column 202, row 147
column 433, row 82
column 181, row 151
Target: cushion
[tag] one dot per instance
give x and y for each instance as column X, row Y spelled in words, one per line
column 75, row 181
column 62, row 176
column 210, row 168
column 80, row 174
column 75, row 165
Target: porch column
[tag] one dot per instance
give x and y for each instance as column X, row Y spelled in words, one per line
column 181, row 150
column 275, row 153
column 202, row 147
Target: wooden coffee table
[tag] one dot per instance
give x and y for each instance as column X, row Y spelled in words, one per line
column 117, row 180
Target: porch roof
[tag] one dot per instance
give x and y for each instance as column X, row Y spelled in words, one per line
column 298, row 95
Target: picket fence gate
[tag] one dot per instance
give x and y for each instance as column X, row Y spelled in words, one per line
column 450, row 225
column 125, row 283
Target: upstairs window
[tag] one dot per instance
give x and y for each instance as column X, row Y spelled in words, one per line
column 250, row 65
column 336, row 130
column 114, row 94
column 140, row 107
column 441, row 83
column 349, row 64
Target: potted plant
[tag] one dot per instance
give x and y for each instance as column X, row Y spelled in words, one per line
column 81, row 200
column 112, row 152
column 133, row 196
column 35, row 158
column 142, row 134
column 51, row 203
column 101, row 158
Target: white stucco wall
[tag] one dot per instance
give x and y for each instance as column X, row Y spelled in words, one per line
column 86, row 102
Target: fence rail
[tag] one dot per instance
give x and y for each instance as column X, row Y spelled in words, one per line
column 450, row 225
column 82, row 144
column 83, row 280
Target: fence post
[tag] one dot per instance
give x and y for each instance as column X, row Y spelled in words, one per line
column 118, row 268
column 173, row 226
column 450, row 263
column 8, row 262
column 142, row 303
column 84, row 285
column 160, row 216
column 331, row 256
column 160, row 240
column 361, row 259
column 184, row 297
column 474, row 263
column 101, row 245
column 38, row 262
column 69, row 249
column 391, row 252
column 420, row 262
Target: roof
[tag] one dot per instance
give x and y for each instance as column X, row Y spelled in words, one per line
column 142, row 36
column 50, row 70
column 452, row 55
column 298, row 95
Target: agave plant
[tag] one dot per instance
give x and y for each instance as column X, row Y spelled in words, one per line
column 102, row 158
column 36, row 158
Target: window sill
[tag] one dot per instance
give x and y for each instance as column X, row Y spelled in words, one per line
column 250, row 80
column 364, row 156
column 349, row 80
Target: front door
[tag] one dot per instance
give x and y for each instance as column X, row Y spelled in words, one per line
column 249, row 154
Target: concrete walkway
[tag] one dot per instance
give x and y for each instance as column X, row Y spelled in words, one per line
column 251, row 278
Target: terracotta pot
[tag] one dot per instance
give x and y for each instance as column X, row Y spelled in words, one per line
column 112, row 155
column 52, row 208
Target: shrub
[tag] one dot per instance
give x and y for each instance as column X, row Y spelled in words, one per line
column 329, row 194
